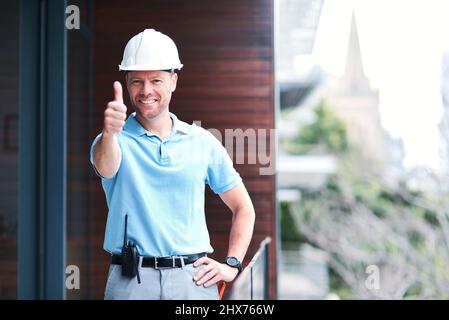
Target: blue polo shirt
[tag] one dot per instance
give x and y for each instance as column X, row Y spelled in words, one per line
column 160, row 184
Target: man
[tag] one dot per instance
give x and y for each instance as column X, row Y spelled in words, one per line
column 154, row 168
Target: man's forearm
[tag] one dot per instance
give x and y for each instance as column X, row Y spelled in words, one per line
column 241, row 231
column 107, row 155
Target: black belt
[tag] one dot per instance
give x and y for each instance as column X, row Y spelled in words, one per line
column 163, row 262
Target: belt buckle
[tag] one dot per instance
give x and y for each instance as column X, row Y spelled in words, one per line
column 173, row 263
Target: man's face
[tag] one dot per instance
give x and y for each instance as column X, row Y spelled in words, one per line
column 150, row 91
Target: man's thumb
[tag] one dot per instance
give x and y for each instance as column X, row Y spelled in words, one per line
column 118, row 92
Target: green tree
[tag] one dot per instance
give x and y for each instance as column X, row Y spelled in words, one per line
column 326, row 134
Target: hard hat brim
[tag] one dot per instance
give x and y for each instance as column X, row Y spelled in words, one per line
column 146, row 67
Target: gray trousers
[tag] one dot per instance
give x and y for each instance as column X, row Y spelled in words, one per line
column 158, row 284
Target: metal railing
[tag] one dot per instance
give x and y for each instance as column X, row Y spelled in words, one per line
column 252, row 284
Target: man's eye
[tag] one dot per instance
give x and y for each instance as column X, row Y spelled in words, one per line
column 136, row 82
column 157, row 81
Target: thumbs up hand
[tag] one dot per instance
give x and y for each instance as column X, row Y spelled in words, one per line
column 115, row 113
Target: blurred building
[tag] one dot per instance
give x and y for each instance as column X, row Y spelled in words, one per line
column 304, row 274
column 300, row 81
column 298, row 23
column 305, row 171
column 296, row 74
column 303, row 271
column 355, row 101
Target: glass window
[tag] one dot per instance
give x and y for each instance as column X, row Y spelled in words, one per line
column 79, row 231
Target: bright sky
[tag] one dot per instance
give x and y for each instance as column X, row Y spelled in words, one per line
column 401, row 43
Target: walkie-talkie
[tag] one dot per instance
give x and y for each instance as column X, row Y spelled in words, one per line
column 130, row 257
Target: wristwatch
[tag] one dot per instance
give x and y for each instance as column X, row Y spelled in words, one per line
column 235, row 263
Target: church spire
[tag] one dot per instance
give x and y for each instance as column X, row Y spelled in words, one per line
column 354, row 79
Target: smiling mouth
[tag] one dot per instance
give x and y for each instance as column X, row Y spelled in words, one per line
column 147, row 102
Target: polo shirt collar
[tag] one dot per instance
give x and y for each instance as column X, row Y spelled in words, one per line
column 134, row 127
column 178, row 125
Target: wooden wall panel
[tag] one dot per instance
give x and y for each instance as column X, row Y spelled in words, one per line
column 227, row 82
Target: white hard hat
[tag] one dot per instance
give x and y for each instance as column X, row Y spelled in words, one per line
column 150, row 50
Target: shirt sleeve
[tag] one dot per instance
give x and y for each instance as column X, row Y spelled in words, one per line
column 221, row 175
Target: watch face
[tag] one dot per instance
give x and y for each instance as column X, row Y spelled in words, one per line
column 232, row 261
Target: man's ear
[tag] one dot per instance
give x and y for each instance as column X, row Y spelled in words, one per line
column 174, row 80
column 126, row 77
